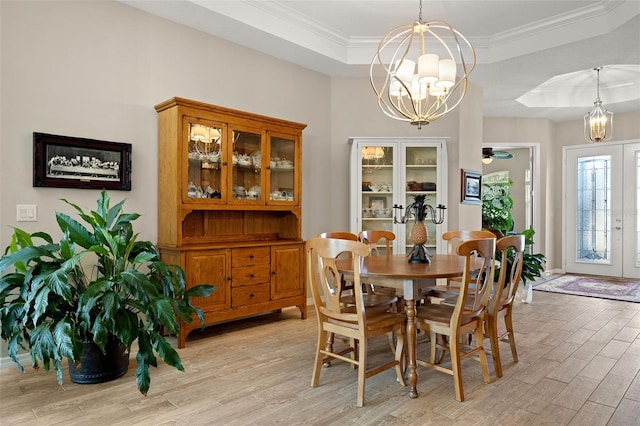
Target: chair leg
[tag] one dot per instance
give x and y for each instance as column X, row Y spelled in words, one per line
column 392, row 341
column 434, row 346
column 362, row 371
column 443, row 348
column 492, row 331
column 354, row 352
column 512, row 340
column 482, row 354
column 317, row 366
column 400, row 354
column 329, row 348
column 456, row 367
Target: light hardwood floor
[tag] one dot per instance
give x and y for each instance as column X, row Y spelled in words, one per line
column 579, row 364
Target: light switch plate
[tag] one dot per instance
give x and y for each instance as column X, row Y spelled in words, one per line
column 26, row 213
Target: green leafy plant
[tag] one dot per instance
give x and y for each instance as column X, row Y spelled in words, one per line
column 532, row 264
column 497, row 218
column 50, row 306
column 496, row 207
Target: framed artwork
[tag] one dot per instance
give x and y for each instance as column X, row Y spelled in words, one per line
column 68, row 162
column 470, row 187
column 377, row 203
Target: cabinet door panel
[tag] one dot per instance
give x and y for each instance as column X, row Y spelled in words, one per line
column 284, row 159
column 210, row 267
column 247, row 166
column 287, row 278
column 204, row 153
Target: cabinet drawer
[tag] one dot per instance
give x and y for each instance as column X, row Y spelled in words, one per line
column 250, row 256
column 250, row 275
column 250, row 294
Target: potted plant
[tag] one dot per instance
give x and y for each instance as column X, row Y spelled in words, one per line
column 51, row 307
column 497, row 218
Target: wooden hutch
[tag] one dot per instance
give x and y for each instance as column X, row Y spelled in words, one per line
column 229, row 208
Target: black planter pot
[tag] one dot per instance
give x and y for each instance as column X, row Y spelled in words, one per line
column 96, row 367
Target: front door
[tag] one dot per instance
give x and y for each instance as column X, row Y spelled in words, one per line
column 602, row 183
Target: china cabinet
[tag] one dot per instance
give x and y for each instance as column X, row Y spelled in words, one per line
column 389, row 172
column 229, row 208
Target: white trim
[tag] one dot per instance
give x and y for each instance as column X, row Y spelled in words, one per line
column 535, row 184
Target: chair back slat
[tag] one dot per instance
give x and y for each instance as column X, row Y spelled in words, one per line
column 476, row 286
column 457, row 236
column 508, row 278
column 325, row 277
column 372, row 238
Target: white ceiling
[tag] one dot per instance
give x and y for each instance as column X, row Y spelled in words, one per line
column 520, row 44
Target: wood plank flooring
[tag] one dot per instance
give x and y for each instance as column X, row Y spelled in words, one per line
column 579, row 365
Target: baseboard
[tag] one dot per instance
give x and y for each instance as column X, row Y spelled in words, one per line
column 25, row 360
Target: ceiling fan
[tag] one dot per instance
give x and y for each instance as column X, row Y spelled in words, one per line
column 488, row 155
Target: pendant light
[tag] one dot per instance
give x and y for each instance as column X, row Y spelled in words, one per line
column 598, row 124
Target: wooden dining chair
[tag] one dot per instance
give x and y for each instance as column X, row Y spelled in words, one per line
column 373, row 238
column 379, row 301
column 352, row 322
column 467, row 316
column 382, row 300
column 501, row 302
column 454, row 238
column 341, row 235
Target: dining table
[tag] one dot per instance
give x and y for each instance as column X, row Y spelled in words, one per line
column 395, row 271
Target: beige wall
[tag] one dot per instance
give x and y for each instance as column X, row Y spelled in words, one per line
column 96, row 69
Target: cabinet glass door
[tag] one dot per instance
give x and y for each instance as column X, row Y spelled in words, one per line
column 204, row 171
column 247, row 166
column 388, row 173
column 282, row 163
column 421, row 178
column 377, row 177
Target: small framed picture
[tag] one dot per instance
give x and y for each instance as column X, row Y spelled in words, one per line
column 69, row 162
column 377, row 203
column 470, row 187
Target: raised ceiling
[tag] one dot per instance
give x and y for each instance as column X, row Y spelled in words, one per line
column 520, row 44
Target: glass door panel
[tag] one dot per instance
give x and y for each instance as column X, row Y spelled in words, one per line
column 593, row 210
column 629, row 224
column 204, row 153
column 593, row 237
column 246, row 165
column 636, row 190
column 421, row 177
column 282, row 163
column 387, row 173
column 377, row 186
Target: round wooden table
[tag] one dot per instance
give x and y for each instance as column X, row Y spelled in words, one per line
column 396, row 272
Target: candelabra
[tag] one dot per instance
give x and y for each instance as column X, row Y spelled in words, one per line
column 419, row 211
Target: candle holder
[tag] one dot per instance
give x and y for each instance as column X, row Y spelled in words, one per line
column 419, row 210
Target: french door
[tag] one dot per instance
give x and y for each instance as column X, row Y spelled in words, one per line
column 602, row 195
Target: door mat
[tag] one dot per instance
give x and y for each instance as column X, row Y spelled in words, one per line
column 592, row 286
